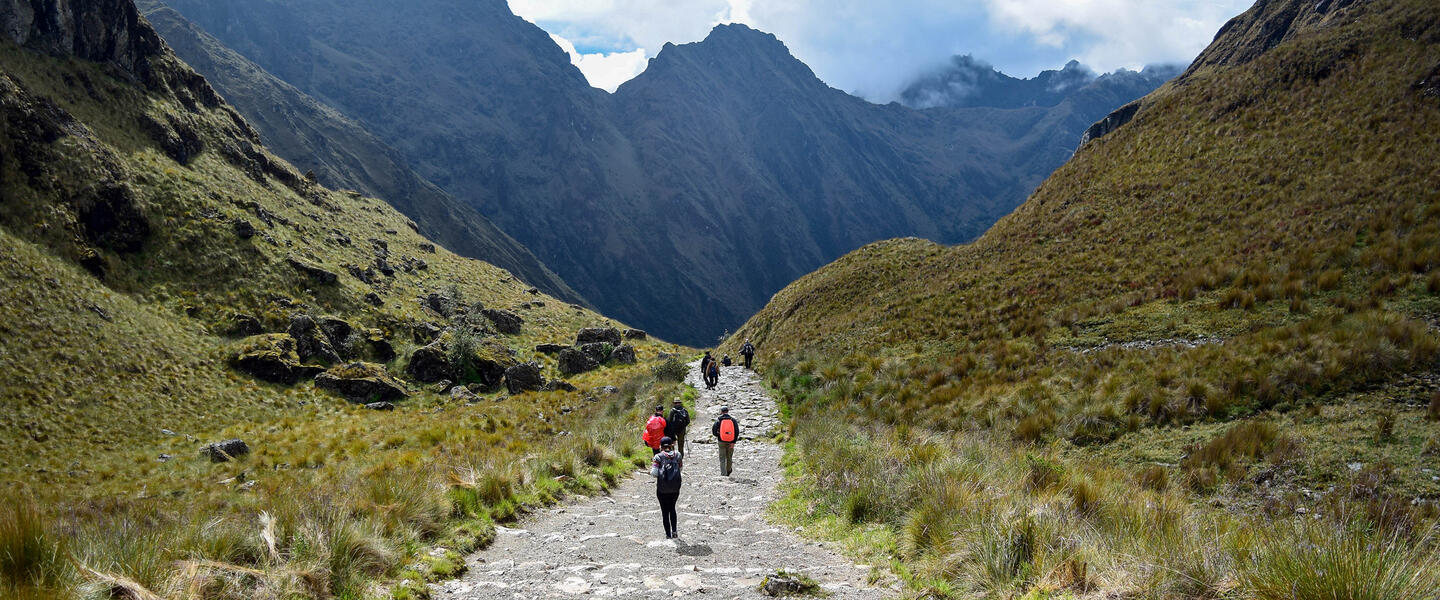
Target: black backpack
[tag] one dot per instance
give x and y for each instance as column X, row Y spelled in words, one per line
column 680, row 418
column 669, row 479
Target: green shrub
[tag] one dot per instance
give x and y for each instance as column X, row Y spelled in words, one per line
column 672, row 370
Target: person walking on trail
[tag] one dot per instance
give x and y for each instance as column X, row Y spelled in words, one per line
column 654, row 430
column 726, row 361
column 712, row 375
column 676, row 423
column 747, row 351
column 726, row 431
column 705, row 367
column 665, row 468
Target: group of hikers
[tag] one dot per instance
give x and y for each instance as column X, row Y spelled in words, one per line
column 665, row 435
column 710, row 368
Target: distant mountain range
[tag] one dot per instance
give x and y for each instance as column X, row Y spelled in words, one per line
column 679, row 203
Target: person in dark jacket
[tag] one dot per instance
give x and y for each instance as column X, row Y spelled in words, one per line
column 676, row 424
column 665, row 468
column 726, row 361
column 712, row 375
column 726, row 431
column 705, row 366
column 747, row 351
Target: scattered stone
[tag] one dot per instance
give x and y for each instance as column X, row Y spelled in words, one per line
column 608, row 390
column 361, row 382
column 506, row 322
column 226, row 450
column 314, row 272
column 782, row 583
column 380, row 406
column 550, row 348
column 573, row 361
column 167, row 432
column 523, row 377
column 164, row 457
column 635, row 334
column 624, row 354
column 427, row 247
column 556, row 385
column 463, row 394
column 311, row 342
column 243, row 228
column 595, row 335
column 428, row 364
column 374, row 299
column 533, row 291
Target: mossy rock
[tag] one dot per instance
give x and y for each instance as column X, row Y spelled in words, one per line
column 270, row 357
column 362, row 382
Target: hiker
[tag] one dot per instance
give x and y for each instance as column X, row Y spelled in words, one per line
column 654, row 430
column 726, row 431
column 726, row 361
column 676, row 424
column 705, row 366
column 712, row 376
column 747, row 351
column 665, row 468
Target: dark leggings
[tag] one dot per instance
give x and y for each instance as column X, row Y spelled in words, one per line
column 667, row 512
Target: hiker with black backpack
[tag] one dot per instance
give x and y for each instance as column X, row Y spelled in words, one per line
column 705, row 367
column 712, row 376
column 676, row 424
column 726, row 431
column 747, row 351
column 665, row 468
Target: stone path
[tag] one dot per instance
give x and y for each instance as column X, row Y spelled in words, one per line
column 615, row 546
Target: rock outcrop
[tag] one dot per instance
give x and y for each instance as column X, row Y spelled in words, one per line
column 624, row 354
column 572, row 361
column 505, row 322
column 428, row 364
column 523, row 377
column 311, row 342
column 225, row 450
column 594, row 335
column 269, row 357
column 362, row 383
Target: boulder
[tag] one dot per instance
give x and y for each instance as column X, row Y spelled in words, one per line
column 337, row 329
column 361, row 382
column 624, row 354
column 380, row 348
column 506, row 322
column 608, row 390
column 426, row 332
column 488, row 364
column 523, row 377
column 311, row 342
column 244, row 229
column 550, row 348
column 556, row 385
column 439, row 303
column 374, row 299
column 595, row 335
column 428, row 364
column 380, row 406
column 573, row 361
column 635, row 334
column 463, row 394
column 427, row 247
column 598, row 351
column 313, row 271
column 243, row 325
column 226, row 450
column 270, row 357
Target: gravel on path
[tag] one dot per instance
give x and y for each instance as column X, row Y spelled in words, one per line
column 614, row 545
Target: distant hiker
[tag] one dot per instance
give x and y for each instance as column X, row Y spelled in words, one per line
column 747, row 351
column 726, row 361
column 654, row 430
column 726, row 431
column 665, row 468
column 705, row 365
column 712, row 375
column 676, row 424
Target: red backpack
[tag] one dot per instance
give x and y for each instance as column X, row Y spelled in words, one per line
column 727, row 430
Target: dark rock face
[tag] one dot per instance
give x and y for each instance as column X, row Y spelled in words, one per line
column 573, row 361
column 490, row 363
column 311, row 342
column 361, row 383
column 380, row 348
column 428, row 364
column 110, row 218
column 1110, row 123
column 523, row 377
column 315, row 272
column 269, row 358
column 243, row 325
column 592, row 335
column 374, row 299
column 506, row 322
column 624, row 354
column 224, row 451
column 635, row 334
column 439, row 303
column 598, row 351
column 1267, row 24
column 550, row 348
column 244, row 229
column 338, row 331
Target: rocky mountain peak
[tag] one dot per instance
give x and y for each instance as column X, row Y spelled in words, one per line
column 732, row 52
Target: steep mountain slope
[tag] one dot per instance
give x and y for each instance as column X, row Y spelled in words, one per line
column 168, row 282
column 1229, row 300
column 683, row 201
column 342, row 154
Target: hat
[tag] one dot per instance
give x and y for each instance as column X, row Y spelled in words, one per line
column 666, row 441
column 677, row 401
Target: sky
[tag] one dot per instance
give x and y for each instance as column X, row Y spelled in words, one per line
column 874, row 47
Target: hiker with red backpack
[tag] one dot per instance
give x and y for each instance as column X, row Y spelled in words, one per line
column 726, row 431
column 665, row 468
column 654, row 430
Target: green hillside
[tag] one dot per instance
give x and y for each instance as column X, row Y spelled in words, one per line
column 168, row 283
column 1199, row 361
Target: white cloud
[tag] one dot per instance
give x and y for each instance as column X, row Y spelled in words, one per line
column 605, row 70
column 875, row 47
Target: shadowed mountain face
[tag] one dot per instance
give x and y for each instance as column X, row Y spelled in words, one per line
column 684, row 200
column 967, row 82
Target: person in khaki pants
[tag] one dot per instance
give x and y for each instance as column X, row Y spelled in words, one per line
column 726, row 431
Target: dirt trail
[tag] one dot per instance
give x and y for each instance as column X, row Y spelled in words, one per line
column 614, row 545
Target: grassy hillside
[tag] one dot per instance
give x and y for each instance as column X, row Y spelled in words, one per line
column 1210, row 326
column 148, row 241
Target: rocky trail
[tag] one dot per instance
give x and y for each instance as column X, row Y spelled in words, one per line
column 614, row 545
